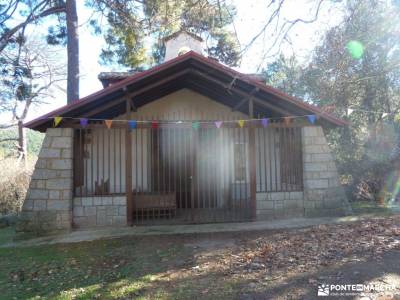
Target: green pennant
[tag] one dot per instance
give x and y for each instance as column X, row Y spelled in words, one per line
column 196, row 125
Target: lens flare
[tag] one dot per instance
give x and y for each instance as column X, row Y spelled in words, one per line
column 355, row 48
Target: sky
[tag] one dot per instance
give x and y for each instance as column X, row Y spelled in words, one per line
column 250, row 18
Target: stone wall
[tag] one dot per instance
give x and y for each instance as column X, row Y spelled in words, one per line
column 99, row 211
column 279, row 205
column 323, row 194
column 47, row 206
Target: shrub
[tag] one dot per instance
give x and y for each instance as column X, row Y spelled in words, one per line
column 14, row 182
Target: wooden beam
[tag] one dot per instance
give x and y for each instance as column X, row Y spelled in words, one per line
column 128, row 167
column 251, row 108
column 137, row 92
column 242, row 93
column 245, row 99
column 237, row 106
column 134, row 108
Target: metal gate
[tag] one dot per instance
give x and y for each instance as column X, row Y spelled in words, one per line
column 186, row 175
column 175, row 173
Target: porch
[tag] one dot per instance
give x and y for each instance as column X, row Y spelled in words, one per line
column 173, row 173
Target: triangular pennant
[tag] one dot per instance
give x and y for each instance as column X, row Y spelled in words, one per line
column 154, row 124
column 108, row 123
column 384, row 115
column 196, row 125
column 132, row 124
column 218, row 124
column 241, row 123
column 264, row 122
column 287, row 120
column 349, row 111
column 84, row 122
column 57, row 121
column 312, row 118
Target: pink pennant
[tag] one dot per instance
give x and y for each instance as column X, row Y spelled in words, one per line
column 218, row 124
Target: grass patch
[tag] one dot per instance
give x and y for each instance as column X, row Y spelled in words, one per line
column 370, row 207
column 6, row 235
column 105, row 269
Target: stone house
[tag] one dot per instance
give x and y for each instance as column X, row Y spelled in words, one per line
column 187, row 141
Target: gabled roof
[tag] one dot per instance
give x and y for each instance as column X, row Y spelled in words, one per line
column 193, row 71
column 174, row 35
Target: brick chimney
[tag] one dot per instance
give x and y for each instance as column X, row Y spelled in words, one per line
column 181, row 42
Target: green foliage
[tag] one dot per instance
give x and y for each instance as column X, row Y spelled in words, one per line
column 34, row 142
column 133, row 27
column 285, row 74
column 357, row 66
column 14, row 182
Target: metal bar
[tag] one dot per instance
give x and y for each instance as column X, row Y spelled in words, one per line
column 91, row 161
column 80, row 161
column 109, row 161
column 252, row 167
column 128, row 166
column 115, row 159
column 266, row 151
column 275, row 157
column 97, row 159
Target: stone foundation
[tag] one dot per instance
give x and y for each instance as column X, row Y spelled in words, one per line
column 48, row 203
column 99, row 211
column 279, row 205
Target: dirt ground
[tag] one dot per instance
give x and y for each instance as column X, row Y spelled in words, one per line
column 280, row 264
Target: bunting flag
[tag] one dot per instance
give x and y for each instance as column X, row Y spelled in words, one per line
column 57, row 121
column 312, row 118
column 108, row 123
column 264, row 122
column 154, row 124
column 132, row 124
column 196, row 125
column 287, row 120
column 218, row 124
column 349, row 111
column 84, row 122
column 241, row 123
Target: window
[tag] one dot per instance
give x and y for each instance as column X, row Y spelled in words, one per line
column 240, row 161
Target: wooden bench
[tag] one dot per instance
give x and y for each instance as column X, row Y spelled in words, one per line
column 156, row 202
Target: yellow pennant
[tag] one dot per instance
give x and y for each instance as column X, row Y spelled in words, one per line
column 241, row 123
column 108, row 123
column 57, row 120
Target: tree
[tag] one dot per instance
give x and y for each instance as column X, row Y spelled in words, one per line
column 130, row 22
column 29, row 75
column 17, row 15
column 357, row 66
column 285, row 74
column 73, row 52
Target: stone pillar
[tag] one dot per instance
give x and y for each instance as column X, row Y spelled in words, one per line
column 48, row 204
column 323, row 193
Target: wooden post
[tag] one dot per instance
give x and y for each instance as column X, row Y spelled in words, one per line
column 128, row 167
column 252, row 162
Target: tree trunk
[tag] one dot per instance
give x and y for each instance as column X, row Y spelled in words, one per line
column 21, row 142
column 73, row 52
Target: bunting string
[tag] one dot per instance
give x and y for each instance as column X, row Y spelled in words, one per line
column 350, row 110
column 265, row 122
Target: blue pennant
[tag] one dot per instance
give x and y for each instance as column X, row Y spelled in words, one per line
column 132, row 124
column 312, row 118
